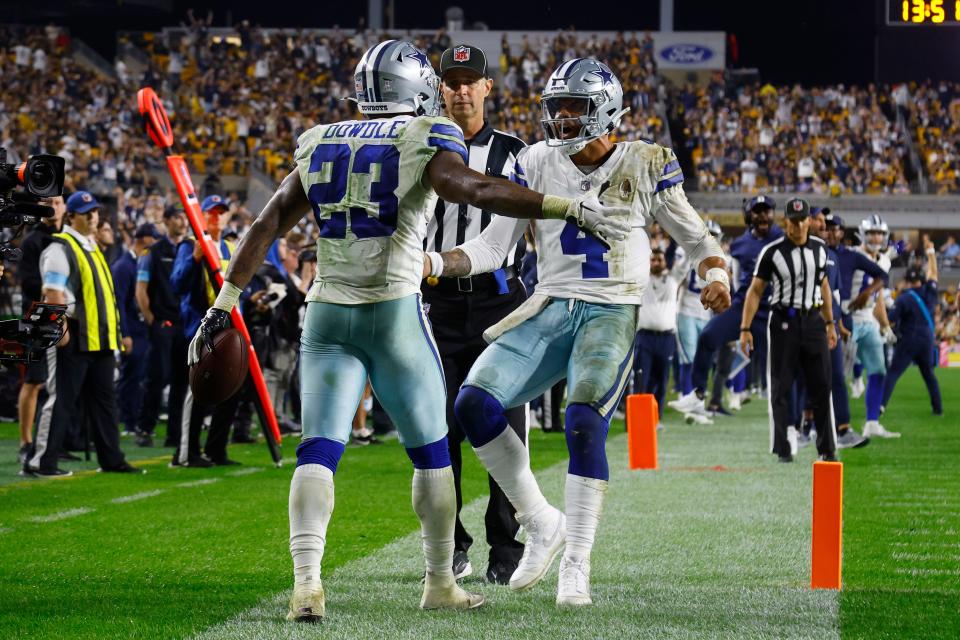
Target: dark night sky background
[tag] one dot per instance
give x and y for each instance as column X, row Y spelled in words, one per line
column 812, row 42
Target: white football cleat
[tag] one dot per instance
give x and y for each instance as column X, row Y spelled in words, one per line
column 687, row 403
column 698, row 418
column 307, row 604
column 546, row 535
column 873, row 429
column 792, row 439
column 573, row 589
column 445, row 593
column 734, row 403
column 857, row 387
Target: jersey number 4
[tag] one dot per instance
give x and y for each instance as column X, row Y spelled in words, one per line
column 333, row 224
column 573, row 245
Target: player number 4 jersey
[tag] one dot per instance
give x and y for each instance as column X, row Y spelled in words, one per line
column 364, row 180
column 574, row 264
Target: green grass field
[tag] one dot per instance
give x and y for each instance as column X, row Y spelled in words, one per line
column 714, row 544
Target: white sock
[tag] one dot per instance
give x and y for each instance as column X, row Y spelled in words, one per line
column 435, row 503
column 584, row 502
column 311, row 503
column 508, row 461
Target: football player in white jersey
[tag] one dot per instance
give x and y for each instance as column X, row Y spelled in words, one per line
column 372, row 185
column 871, row 327
column 691, row 316
column 581, row 322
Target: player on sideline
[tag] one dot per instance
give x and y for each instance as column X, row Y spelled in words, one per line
column 723, row 328
column 581, row 322
column 871, row 327
column 692, row 318
column 372, row 185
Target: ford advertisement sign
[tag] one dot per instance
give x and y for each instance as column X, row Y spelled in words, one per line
column 693, row 55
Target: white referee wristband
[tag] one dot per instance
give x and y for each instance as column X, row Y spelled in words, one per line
column 228, row 297
column 716, row 274
column 436, row 264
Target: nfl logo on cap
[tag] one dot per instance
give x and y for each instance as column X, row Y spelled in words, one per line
column 461, row 54
column 798, row 205
column 86, row 197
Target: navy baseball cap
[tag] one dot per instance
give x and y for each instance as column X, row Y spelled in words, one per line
column 147, row 230
column 760, row 201
column 796, row 209
column 833, row 220
column 212, row 202
column 913, row 274
column 82, row 202
column 815, row 210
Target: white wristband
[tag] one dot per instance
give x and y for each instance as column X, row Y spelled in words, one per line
column 436, row 264
column 228, row 297
column 716, row 274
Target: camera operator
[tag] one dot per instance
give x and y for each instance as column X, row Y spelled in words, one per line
column 81, row 367
column 31, row 282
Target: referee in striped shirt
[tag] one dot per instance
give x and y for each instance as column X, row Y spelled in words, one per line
column 460, row 309
column 800, row 330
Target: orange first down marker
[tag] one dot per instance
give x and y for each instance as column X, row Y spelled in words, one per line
column 827, row 558
column 642, row 418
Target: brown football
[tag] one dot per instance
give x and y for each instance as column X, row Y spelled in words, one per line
column 220, row 373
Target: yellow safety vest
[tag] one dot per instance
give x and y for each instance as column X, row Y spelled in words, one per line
column 224, row 263
column 96, row 303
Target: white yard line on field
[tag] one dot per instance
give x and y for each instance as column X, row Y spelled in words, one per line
column 137, row 496
column 61, row 515
column 198, row 483
column 244, row 472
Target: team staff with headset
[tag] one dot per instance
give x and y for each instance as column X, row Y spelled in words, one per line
column 80, row 369
column 460, row 309
column 800, row 327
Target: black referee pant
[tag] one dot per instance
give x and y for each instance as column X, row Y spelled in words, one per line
column 80, row 387
column 798, row 346
column 459, row 320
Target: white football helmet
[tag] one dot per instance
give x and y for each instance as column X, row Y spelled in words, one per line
column 395, row 77
column 874, row 224
column 581, row 96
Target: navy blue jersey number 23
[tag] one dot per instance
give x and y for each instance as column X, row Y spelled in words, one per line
column 333, row 224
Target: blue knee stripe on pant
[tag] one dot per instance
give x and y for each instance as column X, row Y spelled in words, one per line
column 435, row 455
column 320, row 451
column 480, row 414
column 586, row 432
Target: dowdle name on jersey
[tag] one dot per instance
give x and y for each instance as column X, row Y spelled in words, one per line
column 364, row 183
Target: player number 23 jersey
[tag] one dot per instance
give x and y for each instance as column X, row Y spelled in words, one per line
column 364, row 182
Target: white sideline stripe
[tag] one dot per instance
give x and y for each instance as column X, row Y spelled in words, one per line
column 198, row 483
column 899, row 555
column 61, row 515
column 5, row 529
column 137, row 496
column 926, row 532
column 779, row 572
column 916, row 571
column 245, row 472
column 913, row 545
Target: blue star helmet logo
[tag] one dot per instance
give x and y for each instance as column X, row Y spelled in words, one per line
column 604, row 75
column 420, row 57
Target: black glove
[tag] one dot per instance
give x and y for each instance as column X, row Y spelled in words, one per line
column 213, row 323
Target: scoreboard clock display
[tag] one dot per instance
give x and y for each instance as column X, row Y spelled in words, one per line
column 915, row 13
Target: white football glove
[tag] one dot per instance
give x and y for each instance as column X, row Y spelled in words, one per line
column 889, row 337
column 606, row 222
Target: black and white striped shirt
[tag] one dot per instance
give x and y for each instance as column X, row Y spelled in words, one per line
column 493, row 153
column 794, row 272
